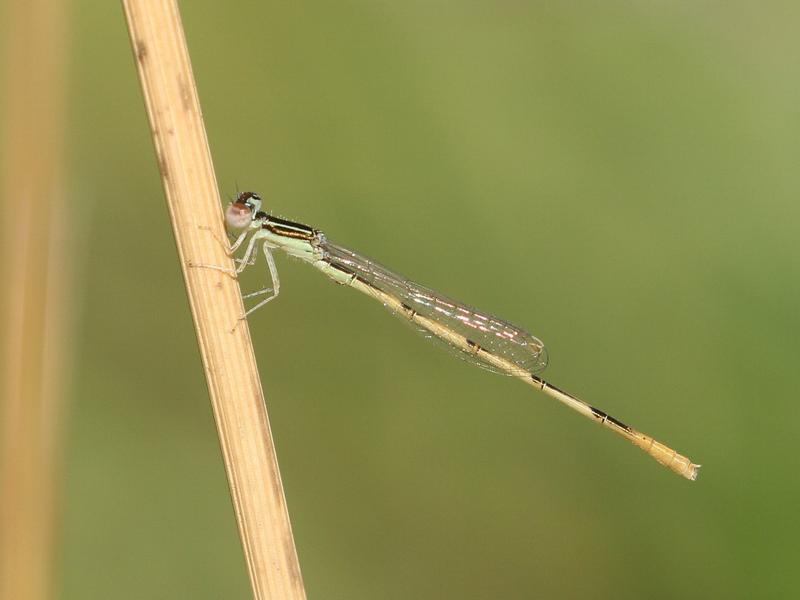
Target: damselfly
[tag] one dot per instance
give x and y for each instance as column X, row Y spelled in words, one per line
column 480, row 338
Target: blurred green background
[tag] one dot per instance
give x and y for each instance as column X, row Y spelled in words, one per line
column 618, row 177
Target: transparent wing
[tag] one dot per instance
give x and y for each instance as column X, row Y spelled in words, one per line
column 492, row 334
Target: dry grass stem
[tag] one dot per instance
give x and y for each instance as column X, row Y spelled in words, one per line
column 234, row 385
column 34, row 298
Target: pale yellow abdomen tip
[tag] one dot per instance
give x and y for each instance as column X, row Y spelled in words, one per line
column 667, row 456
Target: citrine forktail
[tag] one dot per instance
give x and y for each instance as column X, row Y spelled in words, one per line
column 478, row 337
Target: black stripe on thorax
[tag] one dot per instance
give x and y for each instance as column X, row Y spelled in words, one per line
column 290, row 229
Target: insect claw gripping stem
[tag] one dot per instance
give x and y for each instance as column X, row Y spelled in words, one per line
column 232, row 272
column 217, row 239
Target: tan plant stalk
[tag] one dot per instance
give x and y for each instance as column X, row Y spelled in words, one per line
column 234, row 384
column 35, row 298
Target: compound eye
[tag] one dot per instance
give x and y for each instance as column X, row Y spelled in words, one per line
column 239, row 215
column 250, row 199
